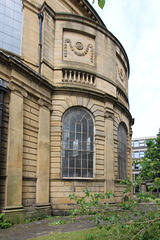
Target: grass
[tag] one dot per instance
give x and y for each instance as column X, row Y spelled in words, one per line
column 155, row 200
column 96, row 233
column 86, row 234
column 59, row 222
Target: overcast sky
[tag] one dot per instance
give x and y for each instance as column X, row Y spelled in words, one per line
column 136, row 24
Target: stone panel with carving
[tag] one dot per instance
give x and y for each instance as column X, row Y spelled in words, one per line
column 121, row 73
column 78, row 47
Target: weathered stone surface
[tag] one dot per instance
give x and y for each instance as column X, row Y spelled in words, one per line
column 82, row 65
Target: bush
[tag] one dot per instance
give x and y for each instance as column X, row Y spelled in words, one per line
column 4, row 223
column 129, row 221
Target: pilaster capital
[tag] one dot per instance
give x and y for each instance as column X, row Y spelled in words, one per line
column 43, row 103
column 17, row 89
column 11, row 86
column 40, row 102
column 24, row 93
column 109, row 115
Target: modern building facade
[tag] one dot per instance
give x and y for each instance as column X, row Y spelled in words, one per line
column 139, row 147
column 66, row 123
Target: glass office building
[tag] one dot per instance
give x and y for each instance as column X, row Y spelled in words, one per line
column 11, row 16
column 139, row 147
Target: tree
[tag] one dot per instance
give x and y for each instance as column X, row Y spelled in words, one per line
column 101, row 3
column 130, row 220
column 150, row 164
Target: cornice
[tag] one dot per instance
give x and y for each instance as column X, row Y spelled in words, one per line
column 48, row 9
column 94, row 21
column 90, row 91
column 98, row 27
column 124, row 110
column 12, row 61
column 88, row 10
column 34, row 8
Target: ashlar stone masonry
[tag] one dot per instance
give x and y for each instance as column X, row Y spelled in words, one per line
column 67, row 127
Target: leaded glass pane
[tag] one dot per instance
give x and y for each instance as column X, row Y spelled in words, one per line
column 84, row 172
column 71, row 163
column 71, row 173
column 122, row 151
column 77, row 143
column 78, row 127
column 90, row 172
column 65, row 172
column 84, row 163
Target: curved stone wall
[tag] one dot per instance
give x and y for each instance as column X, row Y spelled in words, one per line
column 84, row 66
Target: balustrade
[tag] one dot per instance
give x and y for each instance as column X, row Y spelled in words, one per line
column 74, row 76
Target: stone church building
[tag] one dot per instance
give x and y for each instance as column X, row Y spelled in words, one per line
column 65, row 120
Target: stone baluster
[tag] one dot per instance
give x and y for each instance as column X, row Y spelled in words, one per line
column 87, row 80
column 83, row 79
column 70, row 76
column 74, row 76
column 92, row 80
column 78, row 80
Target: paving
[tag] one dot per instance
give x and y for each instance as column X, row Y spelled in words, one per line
column 43, row 227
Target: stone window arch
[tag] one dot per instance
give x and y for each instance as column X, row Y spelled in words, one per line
column 122, row 151
column 77, row 143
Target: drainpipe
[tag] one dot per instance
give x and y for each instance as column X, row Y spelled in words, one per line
column 40, row 16
column 3, row 90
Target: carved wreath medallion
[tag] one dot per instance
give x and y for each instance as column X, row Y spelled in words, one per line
column 79, row 45
column 77, row 50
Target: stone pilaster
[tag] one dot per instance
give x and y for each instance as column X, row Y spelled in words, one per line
column 13, row 192
column 43, row 157
column 109, row 151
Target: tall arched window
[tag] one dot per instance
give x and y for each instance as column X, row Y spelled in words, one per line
column 122, row 151
column 77, row 143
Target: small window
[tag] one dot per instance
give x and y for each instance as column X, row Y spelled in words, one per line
column 141, row 143
column 136, row 154
column 141, row 154
column 122, row 151
column 77, row 144
column 136, row 166
column 145, row 143
column 136, row 143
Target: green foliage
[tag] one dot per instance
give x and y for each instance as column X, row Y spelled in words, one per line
column 101, row 3
column 4, row 223
column 90, row 237
column 130, row 221
column 49, row 217
column 91, row 204
column 151, row 162
column 27, row 220
column 58, row 222
column 92, row 233
column 58, row 216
